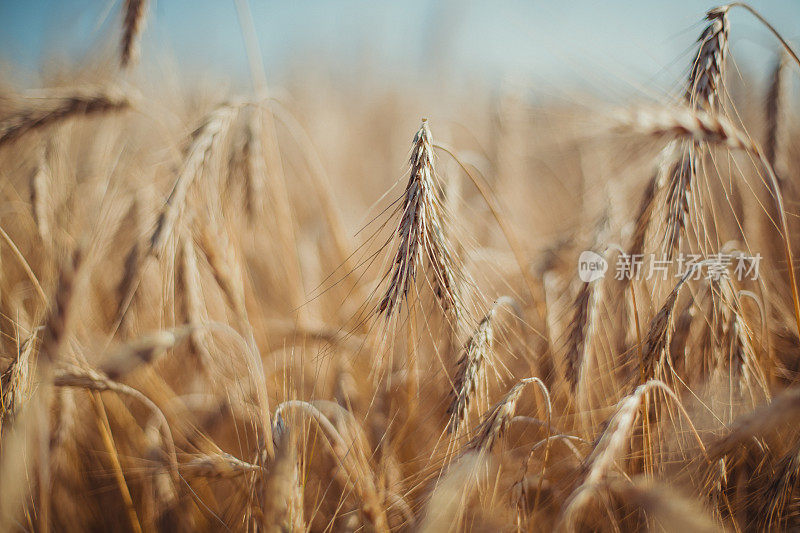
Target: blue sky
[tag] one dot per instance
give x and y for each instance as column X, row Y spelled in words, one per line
column 642, row 43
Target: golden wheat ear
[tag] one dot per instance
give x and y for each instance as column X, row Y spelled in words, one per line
column 61, row 107
column 421, row 236
column 132, row 27
column 708, row 68
column 471, row 366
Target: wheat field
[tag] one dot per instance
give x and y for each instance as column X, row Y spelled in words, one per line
column 276, row 310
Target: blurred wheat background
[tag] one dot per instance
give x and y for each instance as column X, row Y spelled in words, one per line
column 315, row 267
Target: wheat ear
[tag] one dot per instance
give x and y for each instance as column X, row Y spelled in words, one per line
column 132, row 27
column 420, row 234
column 60, row 108
column 471, row 365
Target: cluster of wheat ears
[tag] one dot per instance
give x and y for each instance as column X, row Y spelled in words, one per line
column 194, row 336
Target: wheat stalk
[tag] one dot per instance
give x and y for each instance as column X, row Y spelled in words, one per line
column 736, row 338
column 605, row 452
column 16, row 382
column 255, row 168
column 581, row 331
column 217, row 251
column 448, row 501
column 782, row 409
column 672, row 511
column 202, row 144
column 96, row 381
column 681, row 175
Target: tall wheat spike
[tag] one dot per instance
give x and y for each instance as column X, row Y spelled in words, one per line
column 420, row 234
column 132, row 27
column 702, row 92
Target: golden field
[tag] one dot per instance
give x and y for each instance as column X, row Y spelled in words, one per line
column 304, row 309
